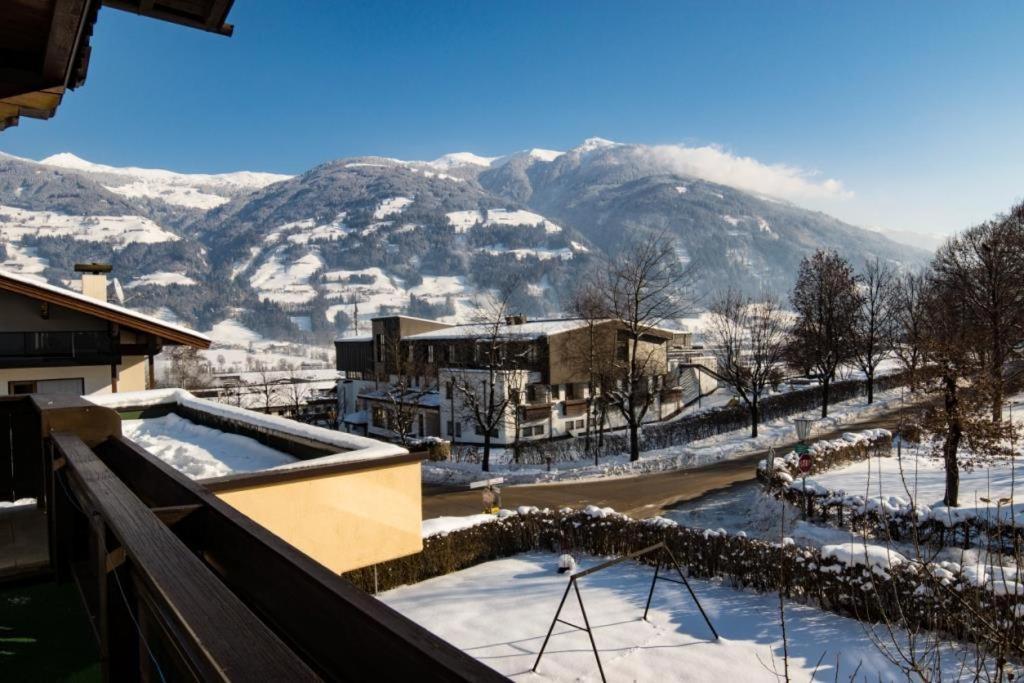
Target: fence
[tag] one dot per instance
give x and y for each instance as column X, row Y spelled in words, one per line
column 703, row 425
column 181, row 586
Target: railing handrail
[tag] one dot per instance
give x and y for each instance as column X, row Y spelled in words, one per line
column 205, row 623
column 340, row 630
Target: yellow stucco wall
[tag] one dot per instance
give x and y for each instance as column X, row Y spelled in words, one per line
column 131, row 374
column 345, row 520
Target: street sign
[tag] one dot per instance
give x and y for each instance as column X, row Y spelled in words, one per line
column 802, row 448
column 483, row 483
column 805, row 463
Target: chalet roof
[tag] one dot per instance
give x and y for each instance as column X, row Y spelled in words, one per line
column 45, row 44
column 134, row 320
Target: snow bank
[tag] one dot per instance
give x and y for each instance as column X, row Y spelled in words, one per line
column 352, row 448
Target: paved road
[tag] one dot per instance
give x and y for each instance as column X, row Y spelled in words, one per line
column 641, row 496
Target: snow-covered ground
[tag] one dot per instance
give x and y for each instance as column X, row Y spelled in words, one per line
column 694, row 454
column 198, row 451
column 238, row 349
column 499, row 612
column 119, row 231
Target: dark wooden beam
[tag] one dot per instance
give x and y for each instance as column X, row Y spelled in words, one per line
column 218, row 637
column 344, row 633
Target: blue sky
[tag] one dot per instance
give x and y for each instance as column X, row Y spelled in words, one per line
column 915, row 109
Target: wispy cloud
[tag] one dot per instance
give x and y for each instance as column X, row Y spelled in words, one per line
column 718, row 165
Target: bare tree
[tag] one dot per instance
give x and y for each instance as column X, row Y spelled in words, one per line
column 402, row 396
column 189, row 369
column 646, row 287
column 483, row 384
column 295, row 390
column 985, row 265
column 265, row 388
column 826, row 301
column 954, row 346
column 875, row 321
column 909, row 316
column 589, row 303
column 749, row 338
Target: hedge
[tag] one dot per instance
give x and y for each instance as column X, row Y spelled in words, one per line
column 912, row 594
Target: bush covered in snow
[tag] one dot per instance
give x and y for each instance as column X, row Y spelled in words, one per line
column 889, row 517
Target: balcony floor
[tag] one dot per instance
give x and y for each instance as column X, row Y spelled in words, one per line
column 23, row 542
column 45, row 634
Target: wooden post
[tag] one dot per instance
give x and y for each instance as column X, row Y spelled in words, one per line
column 113, row 378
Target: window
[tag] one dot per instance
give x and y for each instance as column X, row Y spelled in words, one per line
column 422, row 432
column 412, row 353
column 622, row 349
column 380, row 417
column 74, row 386
column 531, row 393
column 570, row 391
column 448, row 389
column 380, row 348
column 480, row 432
column 451, row 353
column 556, row 393
column 535, row 430
column 531, row 353
column 430, row 353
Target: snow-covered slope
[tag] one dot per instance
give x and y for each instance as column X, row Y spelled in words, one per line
column 321, row 252
column 194, row 190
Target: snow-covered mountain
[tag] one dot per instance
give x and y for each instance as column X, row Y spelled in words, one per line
column 192, row 190
column 352, row 238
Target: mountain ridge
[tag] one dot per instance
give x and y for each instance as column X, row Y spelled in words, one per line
column 321, row 251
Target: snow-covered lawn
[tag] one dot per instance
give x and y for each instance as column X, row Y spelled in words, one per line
column 198, row 451
column 694, row 454
column 500, row 611
column 922, row 477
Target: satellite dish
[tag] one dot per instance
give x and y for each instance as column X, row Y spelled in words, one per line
column 118, row 291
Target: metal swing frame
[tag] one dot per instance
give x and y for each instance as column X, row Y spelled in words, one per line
column 574, row 586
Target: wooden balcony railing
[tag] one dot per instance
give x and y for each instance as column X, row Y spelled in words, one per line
column 180, row 585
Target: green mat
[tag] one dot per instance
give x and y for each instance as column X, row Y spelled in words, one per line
column 45, row 635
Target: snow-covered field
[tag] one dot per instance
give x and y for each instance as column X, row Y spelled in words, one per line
column 695, row 454
column 198, row 451
column 499, row 612
column 120, row 231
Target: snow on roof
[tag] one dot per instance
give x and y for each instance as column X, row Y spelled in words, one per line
column 7, row 277
column 352, row 448
column 360, row 338
column 534, row 329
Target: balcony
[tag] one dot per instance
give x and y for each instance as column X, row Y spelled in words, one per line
column 175, row 582
column 34, row 349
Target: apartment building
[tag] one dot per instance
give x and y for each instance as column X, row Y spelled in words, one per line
column 543, row 376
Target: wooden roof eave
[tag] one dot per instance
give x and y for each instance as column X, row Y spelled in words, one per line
column 167, row 334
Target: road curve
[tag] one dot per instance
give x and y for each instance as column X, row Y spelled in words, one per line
column 640, row 496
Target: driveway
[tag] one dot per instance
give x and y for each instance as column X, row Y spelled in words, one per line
column 640, row 496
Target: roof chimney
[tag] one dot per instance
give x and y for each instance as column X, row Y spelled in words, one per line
column 94, row 279
column 517, row 319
